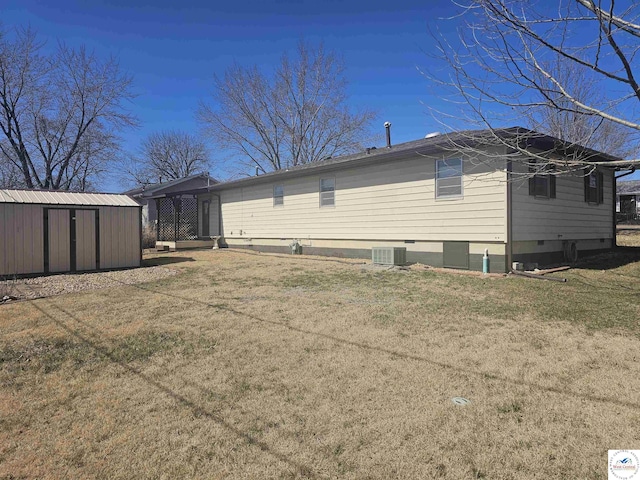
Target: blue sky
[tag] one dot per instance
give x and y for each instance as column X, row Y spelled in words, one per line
column 174, row 48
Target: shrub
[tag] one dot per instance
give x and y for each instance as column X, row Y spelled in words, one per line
column 148, row 236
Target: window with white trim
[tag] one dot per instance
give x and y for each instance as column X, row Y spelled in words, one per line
column 278, row 195
column 449, row 178
column 327, row 192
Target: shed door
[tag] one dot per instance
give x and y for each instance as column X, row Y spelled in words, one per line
column 85, row 239
column 59, row 237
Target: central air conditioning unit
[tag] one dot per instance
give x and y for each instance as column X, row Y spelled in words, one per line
column 389, row 255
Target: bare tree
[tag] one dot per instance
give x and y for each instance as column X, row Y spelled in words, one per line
column 576, row 126
column 567, row 69
column 9, row 176
column 294, row 116
column 59, row 113
column 169, row 155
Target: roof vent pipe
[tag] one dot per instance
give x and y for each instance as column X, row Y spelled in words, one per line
column 387, row 126
column 257, row 171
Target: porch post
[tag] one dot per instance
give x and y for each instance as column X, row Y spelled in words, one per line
column 157, row 200
column 176, row 220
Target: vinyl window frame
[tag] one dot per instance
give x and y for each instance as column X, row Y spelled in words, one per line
column 440, row 165
column 327, row 194
column 278, row 195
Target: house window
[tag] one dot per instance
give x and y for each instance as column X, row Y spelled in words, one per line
column 278, row 195
column 542, row 180
column 593, row 188
column 327, row 192
column 449, row 178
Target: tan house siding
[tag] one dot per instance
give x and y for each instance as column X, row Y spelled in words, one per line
column 392, row 201
column 213, row 214
column 566, row 217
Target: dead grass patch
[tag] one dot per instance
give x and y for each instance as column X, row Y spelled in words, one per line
column 257, row 366
column 47, row 355
column 628, row 237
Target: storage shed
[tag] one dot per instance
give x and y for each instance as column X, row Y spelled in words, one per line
column 52, row 232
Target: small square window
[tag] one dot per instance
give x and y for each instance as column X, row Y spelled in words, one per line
column 449, row 178
column 327, row 192
column 278, row 195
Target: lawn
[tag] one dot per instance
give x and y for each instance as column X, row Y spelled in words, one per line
column 262, row 366
column 629, row 235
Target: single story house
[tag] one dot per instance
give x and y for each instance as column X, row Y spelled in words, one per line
column 54, row 232
column 445, row 205
column 628, row 199
column 146, row 195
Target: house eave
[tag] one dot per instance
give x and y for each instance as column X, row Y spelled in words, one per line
column 442, row 144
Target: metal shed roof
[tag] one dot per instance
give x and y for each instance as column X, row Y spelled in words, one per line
column 66, row 198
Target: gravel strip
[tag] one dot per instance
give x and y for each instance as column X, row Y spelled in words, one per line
column 46, row 286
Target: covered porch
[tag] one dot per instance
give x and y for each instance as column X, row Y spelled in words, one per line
column 184, row 221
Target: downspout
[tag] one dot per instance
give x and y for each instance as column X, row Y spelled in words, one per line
column 509, row 214
column 615, row 199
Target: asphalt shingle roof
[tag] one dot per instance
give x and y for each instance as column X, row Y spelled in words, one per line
column 156, row 187
column 424, row 146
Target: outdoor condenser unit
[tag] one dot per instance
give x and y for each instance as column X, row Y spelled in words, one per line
column 389, row 255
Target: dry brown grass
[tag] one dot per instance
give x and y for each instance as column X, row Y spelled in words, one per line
column 258, row 366
column 629, row 236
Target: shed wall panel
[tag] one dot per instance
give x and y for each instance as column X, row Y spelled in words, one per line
column 31, row 241
column 21, row 239
column 107, row 234
column 132, row 221
column 120, row 227
column 8, row 240
column 4, row 266
column 119, row 237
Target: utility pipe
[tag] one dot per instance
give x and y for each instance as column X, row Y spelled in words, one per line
column 538, row 277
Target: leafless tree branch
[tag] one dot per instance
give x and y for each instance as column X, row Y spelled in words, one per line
column 168, row 155
column 296, row 116
column 59, row 113
column 566, row 71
